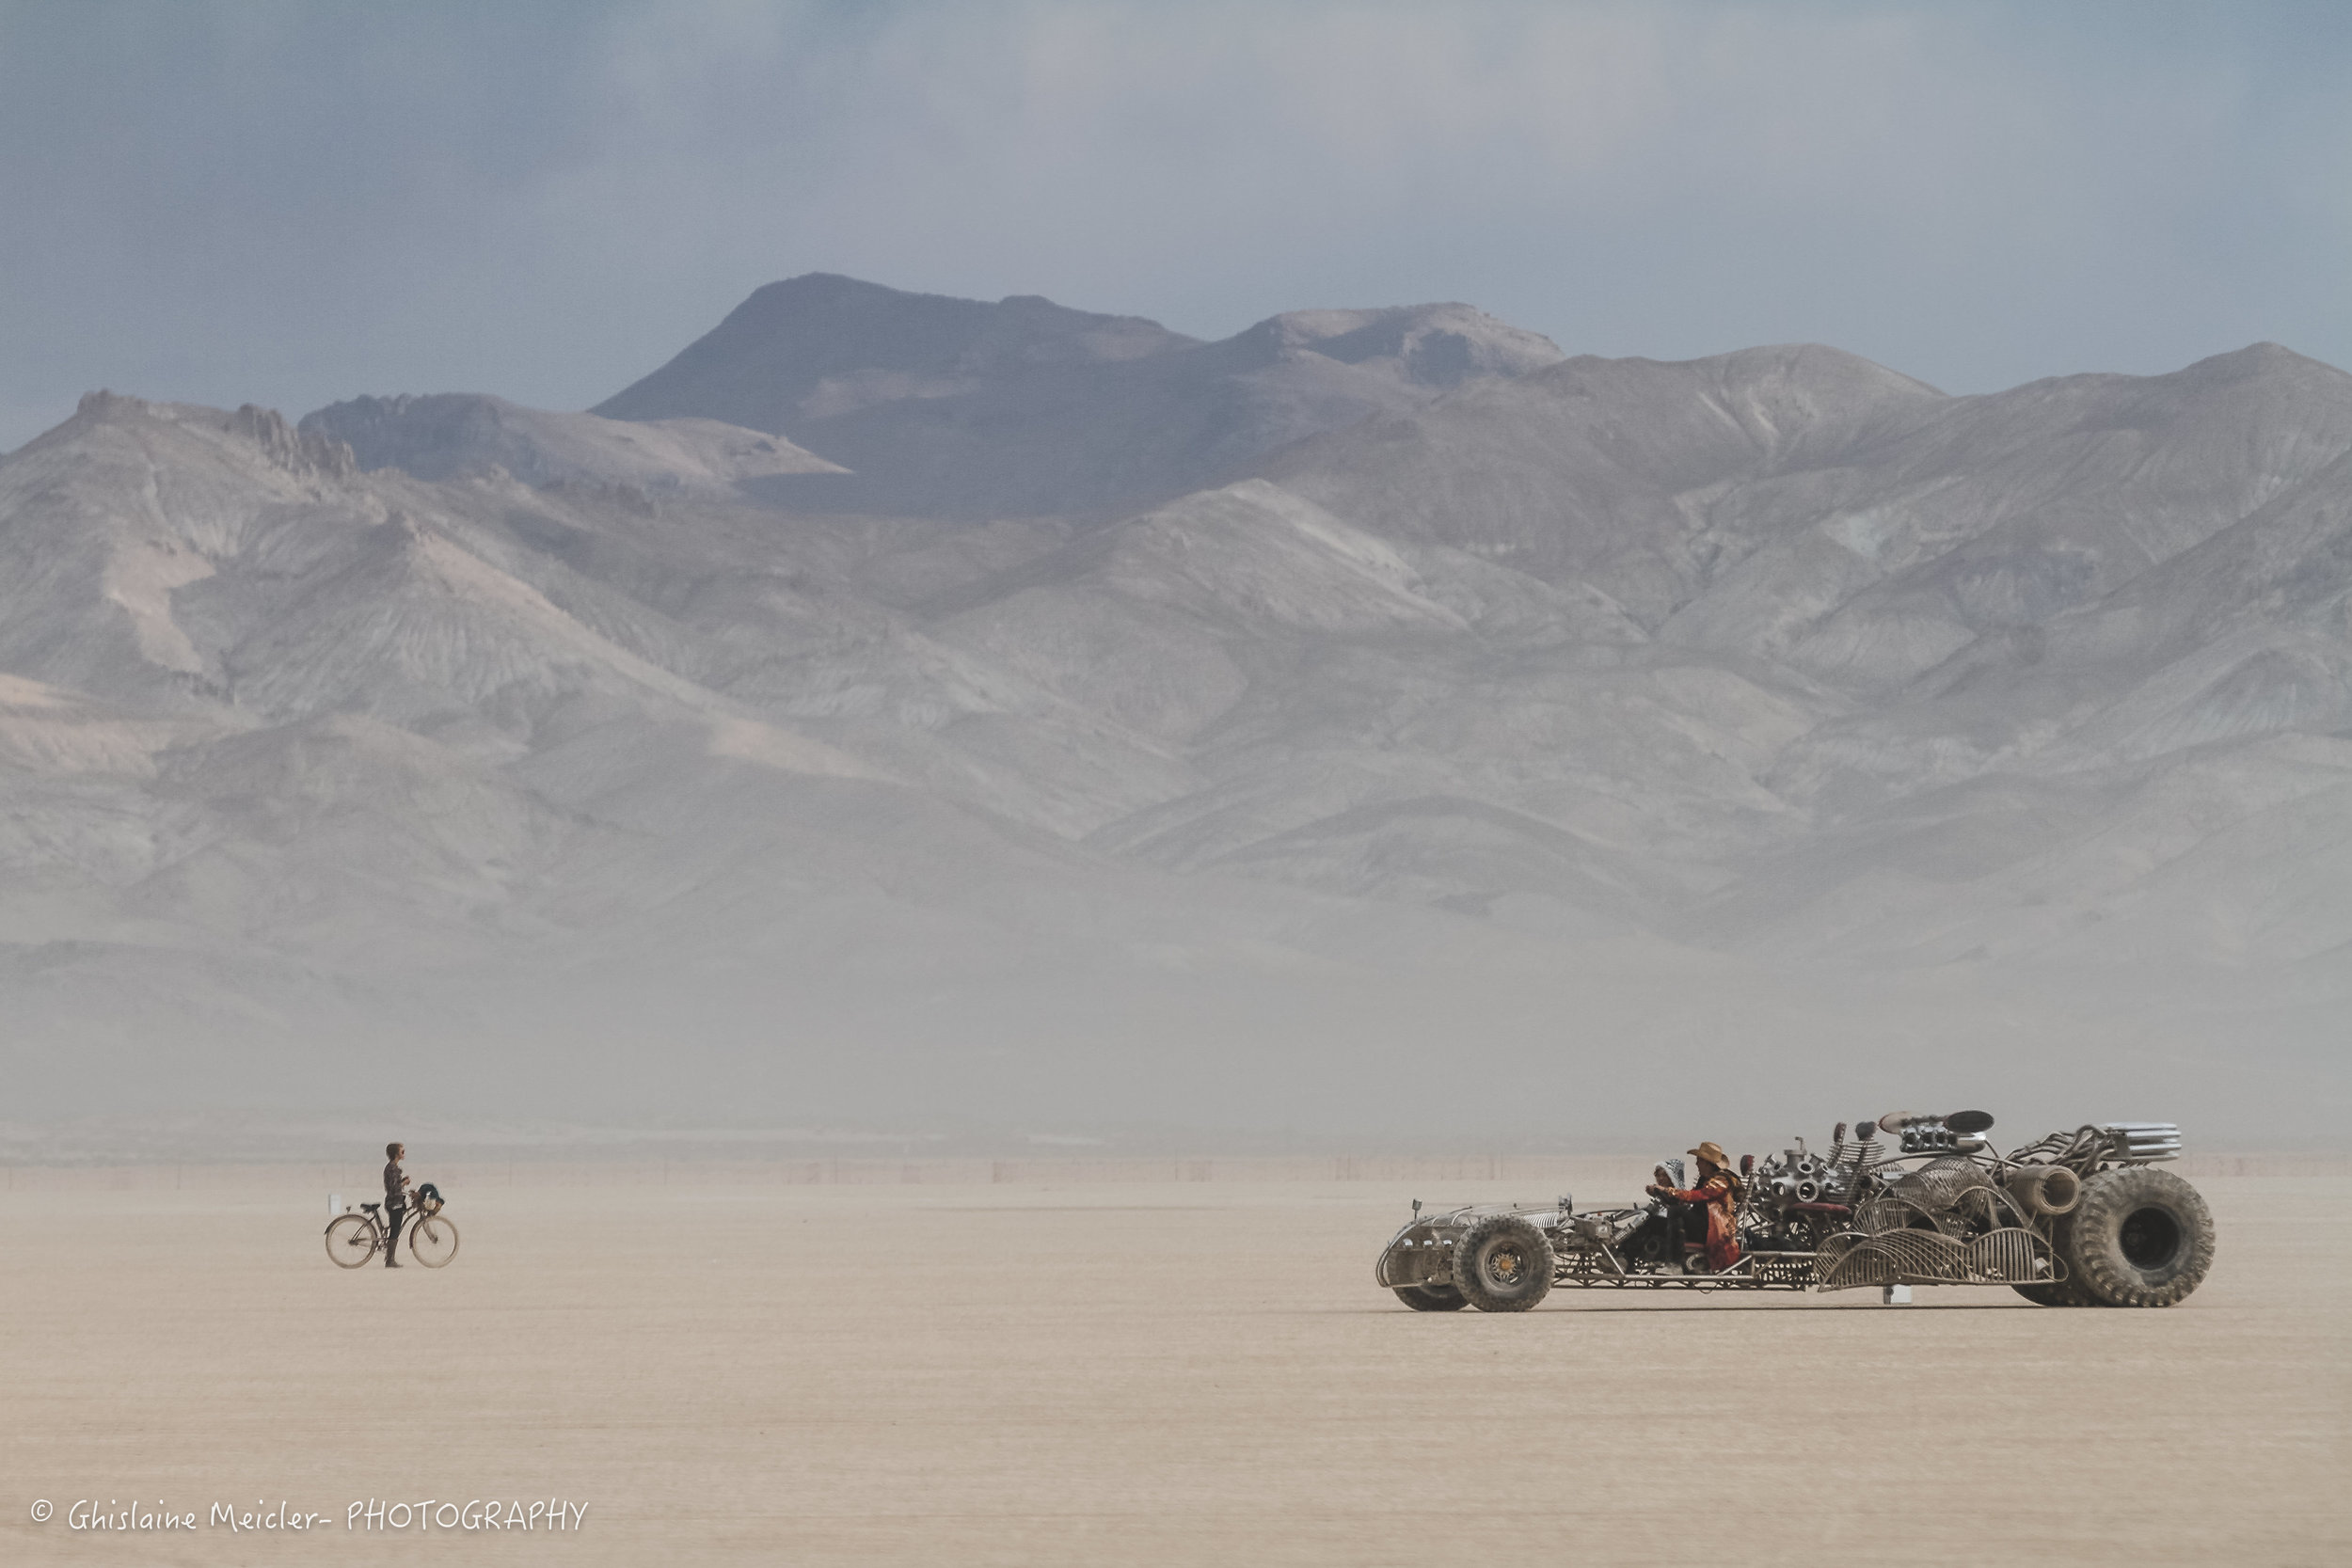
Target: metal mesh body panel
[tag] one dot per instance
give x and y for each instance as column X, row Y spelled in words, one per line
column 2007, row 1257
column 1894, row 1258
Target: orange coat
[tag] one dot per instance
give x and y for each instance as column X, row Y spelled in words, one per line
column 1721, row 1194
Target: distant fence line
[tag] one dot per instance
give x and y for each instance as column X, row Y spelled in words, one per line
column 1544, row 1177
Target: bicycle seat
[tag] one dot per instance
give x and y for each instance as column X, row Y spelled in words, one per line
column 371, row 1207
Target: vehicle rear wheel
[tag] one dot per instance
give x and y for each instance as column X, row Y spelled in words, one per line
column 350, row 1241
column 1431, row 1298
column 2141, row 1237
column 1503, row 1265
column 432, row 1240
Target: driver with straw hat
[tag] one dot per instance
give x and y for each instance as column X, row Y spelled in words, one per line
column 1719, row 1189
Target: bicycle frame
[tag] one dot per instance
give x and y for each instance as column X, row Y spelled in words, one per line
column 379, row 1231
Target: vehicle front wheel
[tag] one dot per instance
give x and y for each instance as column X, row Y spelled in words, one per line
column 1431, row 1298
column 2141, row 1237
column 1503, row 1265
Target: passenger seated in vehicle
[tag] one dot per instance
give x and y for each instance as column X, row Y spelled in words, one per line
column 1719, row 1189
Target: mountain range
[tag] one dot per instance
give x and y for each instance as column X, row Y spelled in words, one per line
column 908, row 708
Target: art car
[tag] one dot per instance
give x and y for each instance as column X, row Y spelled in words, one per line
column 2074, row 1219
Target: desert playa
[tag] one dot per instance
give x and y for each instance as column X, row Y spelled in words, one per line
column 740, row 1368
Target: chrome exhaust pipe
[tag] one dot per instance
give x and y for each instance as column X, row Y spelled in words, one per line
column 2146, row 1141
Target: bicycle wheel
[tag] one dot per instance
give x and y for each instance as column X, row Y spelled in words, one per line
column 432, row 1240
column 351, row 1240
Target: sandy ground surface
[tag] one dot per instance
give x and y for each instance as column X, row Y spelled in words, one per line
column 1197, row 1373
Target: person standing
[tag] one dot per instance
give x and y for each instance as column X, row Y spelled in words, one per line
column 1719, row 1190
column 395, row 1200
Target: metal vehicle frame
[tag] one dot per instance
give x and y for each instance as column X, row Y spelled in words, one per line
column 1907, row 1200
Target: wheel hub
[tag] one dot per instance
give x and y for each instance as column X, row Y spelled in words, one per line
column 2151, row 1238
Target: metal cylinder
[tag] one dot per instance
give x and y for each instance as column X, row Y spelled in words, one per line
column 2046, row 1189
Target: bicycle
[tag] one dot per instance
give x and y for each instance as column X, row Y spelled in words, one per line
column 355, row 1237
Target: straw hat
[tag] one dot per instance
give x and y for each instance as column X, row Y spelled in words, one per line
column 1714, row 1154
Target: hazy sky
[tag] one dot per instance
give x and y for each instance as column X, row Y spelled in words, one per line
column 291, row 203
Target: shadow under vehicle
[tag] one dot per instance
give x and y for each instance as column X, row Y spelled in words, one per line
column 2073, row 1219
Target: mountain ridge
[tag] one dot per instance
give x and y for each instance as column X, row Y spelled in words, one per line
column 961, row 408
column 1540, row 709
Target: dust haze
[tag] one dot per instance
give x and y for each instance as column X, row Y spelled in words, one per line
column 910, row 713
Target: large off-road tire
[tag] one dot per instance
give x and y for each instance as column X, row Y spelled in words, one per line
column 2141, row 1237
column 1503, row 1265
column 1431, row 1298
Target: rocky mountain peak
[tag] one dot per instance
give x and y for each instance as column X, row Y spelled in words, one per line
column 297, row 452
column 1430, row 345
column 306, row 456
column 821, row 344
column 104, row 404
column 945, row 406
